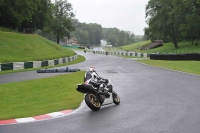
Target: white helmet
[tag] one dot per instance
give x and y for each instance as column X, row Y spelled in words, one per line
column 92, row 69
column 93, row 73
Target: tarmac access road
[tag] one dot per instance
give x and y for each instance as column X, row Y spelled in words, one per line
column 153, row 100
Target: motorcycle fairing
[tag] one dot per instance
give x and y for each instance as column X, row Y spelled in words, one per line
column 86, row 88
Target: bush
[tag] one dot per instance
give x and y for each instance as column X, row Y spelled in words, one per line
column 81, row 47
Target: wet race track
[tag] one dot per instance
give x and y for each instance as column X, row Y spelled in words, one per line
column 153, row 100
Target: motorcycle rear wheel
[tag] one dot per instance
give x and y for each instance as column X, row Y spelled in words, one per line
column 91, row 103
column 116, row 98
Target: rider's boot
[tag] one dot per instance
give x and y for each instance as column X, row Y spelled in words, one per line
column 104, row 92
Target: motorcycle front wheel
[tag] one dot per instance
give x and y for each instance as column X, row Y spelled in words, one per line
column 92, row 103
column 116, row 99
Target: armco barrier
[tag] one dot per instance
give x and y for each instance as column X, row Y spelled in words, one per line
column 50, row 63
column 6, row 66
column 28, row 65
column 125, row 53
column 194, row 56
column 35, row 64
column 56, row 62
column 18, row 65
column 45, row 63
column 60, row 61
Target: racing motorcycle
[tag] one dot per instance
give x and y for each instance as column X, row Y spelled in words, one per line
column 93, row 98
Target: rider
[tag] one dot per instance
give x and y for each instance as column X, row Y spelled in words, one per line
column 94, row 79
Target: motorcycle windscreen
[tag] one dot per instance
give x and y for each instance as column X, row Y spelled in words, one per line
column 86, row 89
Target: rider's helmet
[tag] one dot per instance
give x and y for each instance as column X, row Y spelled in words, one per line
column 93, row 73
column 92, row 69
column 106, row 81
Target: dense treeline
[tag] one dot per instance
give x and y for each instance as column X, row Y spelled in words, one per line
column 28, row 15
column 87, row 33
column 91, row 34
column 118, row 37
column 173, row 20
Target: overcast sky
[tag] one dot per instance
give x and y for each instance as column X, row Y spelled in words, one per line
column 128, row 15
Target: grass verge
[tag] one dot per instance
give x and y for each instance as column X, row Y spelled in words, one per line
column 184, row 66
column 18, row 47
column 40, row 96
column 134, row 46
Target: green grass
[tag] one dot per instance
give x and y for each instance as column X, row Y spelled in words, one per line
column 184, row 66
column 166, row 48
column 169, row 48
column 134, row 46
column 7, row 29
column 17, row 47
column 40, row 96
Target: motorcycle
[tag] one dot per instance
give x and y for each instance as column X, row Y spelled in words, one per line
column 106, row 53
column 93, row 98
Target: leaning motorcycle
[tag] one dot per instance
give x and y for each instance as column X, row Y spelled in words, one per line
column 94, row 99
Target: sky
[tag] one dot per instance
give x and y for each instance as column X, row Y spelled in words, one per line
column 127, row 15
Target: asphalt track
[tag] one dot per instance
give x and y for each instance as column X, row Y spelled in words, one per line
column 153, row 100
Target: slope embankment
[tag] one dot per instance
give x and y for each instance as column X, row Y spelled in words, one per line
column 20, row 51
column 16, row 47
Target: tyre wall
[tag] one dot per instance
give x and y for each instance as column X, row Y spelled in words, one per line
column 194, row 56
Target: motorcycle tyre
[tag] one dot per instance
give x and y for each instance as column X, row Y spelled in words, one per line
column 116, row 98
column 95, row 106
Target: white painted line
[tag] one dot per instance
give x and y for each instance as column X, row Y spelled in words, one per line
column 55, row 114
column 23, row 120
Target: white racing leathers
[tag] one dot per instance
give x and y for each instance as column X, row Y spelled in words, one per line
column 93, row 78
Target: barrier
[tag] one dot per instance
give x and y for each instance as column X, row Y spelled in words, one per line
column 35, row 64
column 194, row 56
column 18, row 65
column 125, row 53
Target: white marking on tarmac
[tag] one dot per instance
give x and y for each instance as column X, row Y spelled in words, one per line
column 23, row 120
column 55, row 114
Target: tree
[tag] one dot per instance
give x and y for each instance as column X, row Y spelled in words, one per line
column 161, row 19
column 61, row 23
column 42, row 12
column 25, row 15
column 112, row 39
column 117, row 37
column 121, row 38
column 111, row 35
column 88, row 33
column 97, row 33
column 188, row 14
column 82, row 36
column 13, row 13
